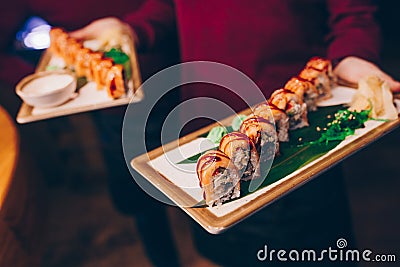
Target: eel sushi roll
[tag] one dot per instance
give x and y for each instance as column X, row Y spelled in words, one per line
column 293, row 106
column 319, row 72
column 323, row 65
column 243, row 154
column 304, row 89
column 219, row 178
column 263, row 134
column 275, row 115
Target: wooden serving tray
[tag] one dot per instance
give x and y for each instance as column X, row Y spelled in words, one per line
column 88, row 97
column 159, row 172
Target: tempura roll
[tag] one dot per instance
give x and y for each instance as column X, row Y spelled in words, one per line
column 100, row 68
column 218, row 176
column 92, row 57
column 304, row 89
column 242, row 152
column 293, row 106
column 58, row 41
column 115, row 84
column 275, row 115
column 71, row 51
column 263, row 134
column 81, row 60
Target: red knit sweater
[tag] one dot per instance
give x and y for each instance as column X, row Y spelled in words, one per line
column 268, row 40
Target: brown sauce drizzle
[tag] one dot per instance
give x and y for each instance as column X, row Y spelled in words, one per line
column 272, row 107
column 234, row 136
column 210, row 158
column 207, row 159
column 275, row 108
column 285, row 91
column 302, row 80
column 113, row 85
column 317, row 62
column 254, row 120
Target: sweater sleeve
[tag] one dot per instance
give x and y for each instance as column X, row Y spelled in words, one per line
column 354, row 30
column 153, row 22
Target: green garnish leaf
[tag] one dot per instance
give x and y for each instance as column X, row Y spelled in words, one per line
column 216, row 134
column 119, row 57
column 52, row 67
column 194, row 158
column 237, row 121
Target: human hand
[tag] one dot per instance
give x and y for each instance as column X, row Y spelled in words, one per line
column 352, row 69
column 101, row 28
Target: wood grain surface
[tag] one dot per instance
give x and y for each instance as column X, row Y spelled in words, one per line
column 8, row 152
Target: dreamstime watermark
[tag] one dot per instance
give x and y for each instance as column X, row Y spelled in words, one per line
column 340, row 253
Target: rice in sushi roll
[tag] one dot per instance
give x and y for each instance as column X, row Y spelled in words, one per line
column 218, row 176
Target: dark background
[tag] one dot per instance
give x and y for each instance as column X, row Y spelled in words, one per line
column 389, row 18
column 80, row 227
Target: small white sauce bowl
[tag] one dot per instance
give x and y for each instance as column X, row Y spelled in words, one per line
column 47, row 89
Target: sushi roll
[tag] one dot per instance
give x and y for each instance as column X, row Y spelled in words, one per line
column 219, row 178
column 92, row 57
column 100, row 68
column 115, row 84
column 293, row 106
column 304, row 89
column 242, row 152
column 319, row 72
column 72, row 49
column 323, row 65
column 275, row 115
column 58, row 41
column 82, row 57
column 263, row 134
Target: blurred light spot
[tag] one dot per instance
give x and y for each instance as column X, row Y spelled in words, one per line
column 37, row 40
column 34, row 34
